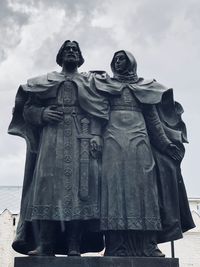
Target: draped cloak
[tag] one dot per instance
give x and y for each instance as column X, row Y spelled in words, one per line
column 175, row 213
column 46, row 87
column 89, row 85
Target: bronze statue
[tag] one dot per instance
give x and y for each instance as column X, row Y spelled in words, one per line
column 141, row 204
column 61, row 120
column 134, row 194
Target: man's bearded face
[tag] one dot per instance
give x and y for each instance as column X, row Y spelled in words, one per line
column 71, row 54
column 120, row 62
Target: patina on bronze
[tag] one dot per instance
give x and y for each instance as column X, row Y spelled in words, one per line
column 134, row 194
column 61, row 120
column 143, row 198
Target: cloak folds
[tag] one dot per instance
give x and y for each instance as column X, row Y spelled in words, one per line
column 174, row 208
column 26, row 236
column 175, row 214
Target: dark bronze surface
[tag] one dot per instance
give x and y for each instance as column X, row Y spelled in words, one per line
column 94, row 262
column 103, row 160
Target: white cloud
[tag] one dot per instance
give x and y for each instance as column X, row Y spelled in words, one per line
column 163, row 35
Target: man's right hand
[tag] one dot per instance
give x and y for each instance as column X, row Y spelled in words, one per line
column 51, row 115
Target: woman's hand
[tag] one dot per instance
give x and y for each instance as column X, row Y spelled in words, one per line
column 174, row 152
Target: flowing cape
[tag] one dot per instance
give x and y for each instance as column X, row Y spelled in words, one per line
column 90, row 101
column 92, row 90
column 174, row 207
column 146, row 91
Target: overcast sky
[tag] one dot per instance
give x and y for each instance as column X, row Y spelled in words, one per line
column 163, row 35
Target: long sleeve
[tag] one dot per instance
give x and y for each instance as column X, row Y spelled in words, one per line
column 156, row 132
column 33, row 111
column 96, row 126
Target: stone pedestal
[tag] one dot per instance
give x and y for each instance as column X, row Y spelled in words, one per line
column 94, row 262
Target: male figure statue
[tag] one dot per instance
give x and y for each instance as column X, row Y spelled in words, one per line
column 62, row 123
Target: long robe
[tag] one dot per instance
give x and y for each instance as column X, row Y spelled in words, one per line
column 129, row 195
column 65, row 181
column 47, row 192
column 175, row 213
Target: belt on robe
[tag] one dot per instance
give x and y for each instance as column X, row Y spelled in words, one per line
column 69, row 109
column 123, row 107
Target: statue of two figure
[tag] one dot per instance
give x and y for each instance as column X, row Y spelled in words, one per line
column 103, row 161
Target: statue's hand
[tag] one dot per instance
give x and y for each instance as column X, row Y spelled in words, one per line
column 96, row 146
column 50, row 115
column 174, row 152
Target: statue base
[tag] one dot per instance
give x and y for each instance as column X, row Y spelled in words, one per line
column 95, row 262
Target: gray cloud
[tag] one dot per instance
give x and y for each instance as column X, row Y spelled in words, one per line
column 80, row 30
column 70, row 6
column 9, row 15
column 163, row 35
column 152, row 20
column 192, row 14
column 12, row 17
column 11, row 22
column 87, row 41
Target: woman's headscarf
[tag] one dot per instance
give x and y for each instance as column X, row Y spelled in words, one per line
column 131, row 73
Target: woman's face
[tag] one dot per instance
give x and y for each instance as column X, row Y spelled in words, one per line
column 120, row 62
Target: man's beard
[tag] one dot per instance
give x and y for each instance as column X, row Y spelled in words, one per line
column 72, row 62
